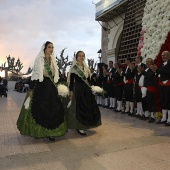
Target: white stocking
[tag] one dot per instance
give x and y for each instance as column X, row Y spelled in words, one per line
column 141, row 109
column 152, row 115
column 168, row 116
column 106, row 101
column 138, row 108
column 146, row 113
column 111, row 102
column 98, row 99
column 164, row 115
column 131, row 107
column 127, row 106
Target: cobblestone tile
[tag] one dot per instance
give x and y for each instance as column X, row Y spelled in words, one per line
column 121, row 143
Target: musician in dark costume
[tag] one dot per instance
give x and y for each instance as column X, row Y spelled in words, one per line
column 93, row 77
column 148, row 91
column 99, row 81
column 45, row 116
column 118, row 86
column 164, row 87
column 105, row 85
column 83, row 113
column 128, row 87
column 110, row 85
column 138, row 95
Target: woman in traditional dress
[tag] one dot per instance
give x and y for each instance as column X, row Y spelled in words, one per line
column 45, row 116
column 83, row 113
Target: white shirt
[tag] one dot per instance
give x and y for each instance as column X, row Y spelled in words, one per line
column 146, row 69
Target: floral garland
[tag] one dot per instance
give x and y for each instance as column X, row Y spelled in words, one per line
column 140, row 45
column 156, row 23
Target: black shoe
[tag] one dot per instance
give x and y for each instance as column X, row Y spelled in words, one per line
column 117, row 110
column 51, row 139
column 80, row 133
column 125, row 112
column 138, row 116
column 133, row 115
column 167, row 123
column 114, row 108
column 159, row 122
column 130, row 114
column 151, row 120
column 144, row 118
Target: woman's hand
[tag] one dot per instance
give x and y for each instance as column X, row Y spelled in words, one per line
column 71, row 95
column 30, row 93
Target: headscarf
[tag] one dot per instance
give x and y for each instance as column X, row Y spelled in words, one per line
column 38, row 68
column 86, row 70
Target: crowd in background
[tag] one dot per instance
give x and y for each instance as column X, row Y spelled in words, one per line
column 139, row 90
column 22, row 85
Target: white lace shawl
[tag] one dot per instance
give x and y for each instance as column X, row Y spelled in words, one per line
column 38, row 68
column 86, row 70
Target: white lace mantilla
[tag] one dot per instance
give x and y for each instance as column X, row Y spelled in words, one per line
column 38, row 68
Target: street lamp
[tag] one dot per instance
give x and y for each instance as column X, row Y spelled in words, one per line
column 100, row 51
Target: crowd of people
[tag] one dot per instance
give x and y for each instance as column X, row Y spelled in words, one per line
column 22, row 85
column 144, row 87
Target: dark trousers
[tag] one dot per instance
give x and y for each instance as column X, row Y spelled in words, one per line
column 165, row 97
column 118, row 91
column 128, row 92
column 148, row 102
column 138, row 93
column 110, row 87
column 105, row 87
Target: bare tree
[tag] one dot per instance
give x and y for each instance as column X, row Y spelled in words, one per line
column 63, row 62
column 92, row 64
column 14, row 67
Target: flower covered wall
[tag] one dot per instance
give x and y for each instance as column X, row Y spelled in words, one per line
column 156, row 24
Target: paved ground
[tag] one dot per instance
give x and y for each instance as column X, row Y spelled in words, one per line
column 121, row 143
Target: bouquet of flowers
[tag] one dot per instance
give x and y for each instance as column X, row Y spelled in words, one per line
column 63, row 90
column 97, row 90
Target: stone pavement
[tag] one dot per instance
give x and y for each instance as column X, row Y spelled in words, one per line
column 121, row 143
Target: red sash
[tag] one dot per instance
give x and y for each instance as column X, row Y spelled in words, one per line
column 151, row 88
column 130, row 81
column 166, row 84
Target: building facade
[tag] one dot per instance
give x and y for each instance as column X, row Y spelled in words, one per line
column 121, row 22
